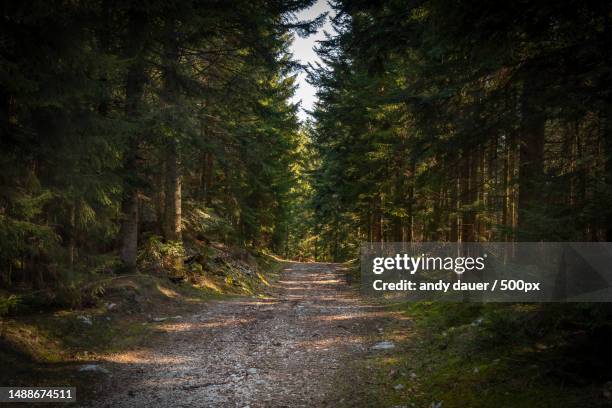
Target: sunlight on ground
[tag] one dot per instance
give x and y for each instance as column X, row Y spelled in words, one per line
column 210, row 284
column 263, row 279
column 328, row 342
column 333, row 318
column 143, row 357
column 301, row 285
column 167, row 292
column 183, row 327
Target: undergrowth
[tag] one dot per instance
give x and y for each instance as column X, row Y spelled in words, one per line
column 40, row 343
column 491, row 355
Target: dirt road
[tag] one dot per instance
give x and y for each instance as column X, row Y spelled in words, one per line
column 289, row 351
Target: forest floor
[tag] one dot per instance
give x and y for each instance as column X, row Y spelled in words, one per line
column 315, row 342
column 291, row 349
column 311, row 340
column 287, row 350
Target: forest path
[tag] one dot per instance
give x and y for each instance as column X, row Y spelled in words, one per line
column 287, row 351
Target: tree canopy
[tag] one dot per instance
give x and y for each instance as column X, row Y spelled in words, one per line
column 126, row 121
column 463, row 122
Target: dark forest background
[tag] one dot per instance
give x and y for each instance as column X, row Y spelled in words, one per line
column 464, row 121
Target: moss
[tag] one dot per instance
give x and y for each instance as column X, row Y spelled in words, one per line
column 469, row 355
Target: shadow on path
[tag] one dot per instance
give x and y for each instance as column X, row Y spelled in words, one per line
column 287, row 351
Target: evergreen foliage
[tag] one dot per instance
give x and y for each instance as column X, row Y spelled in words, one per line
column 122, row 123
column 463, row 122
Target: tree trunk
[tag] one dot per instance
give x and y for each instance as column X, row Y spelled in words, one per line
column 71, row 236
column 160, row 194
column 453, row 219
column 134, row 89
column 376, row 221
column 509, row 210
column 607, row 119
column 607, row 142
column 129, row 229
column 468, row 190
column 409, row 235
column 206, row 178
column 210, row 160
column 531, row 160
column 173, row 198
column 172, row 210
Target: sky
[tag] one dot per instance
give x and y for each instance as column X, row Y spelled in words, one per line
column 302, row 50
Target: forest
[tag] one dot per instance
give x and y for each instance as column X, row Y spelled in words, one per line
column 127, row 124
column 161, row 139
column 463, row 121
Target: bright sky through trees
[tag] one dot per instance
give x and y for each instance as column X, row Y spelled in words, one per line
column 302, row 49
